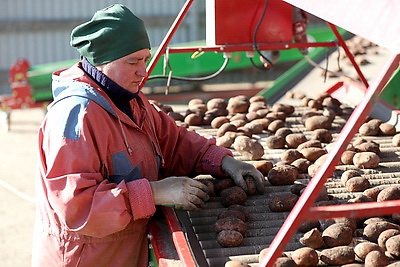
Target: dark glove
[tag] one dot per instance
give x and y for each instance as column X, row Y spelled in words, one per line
column 237, row 170
column 179, row 192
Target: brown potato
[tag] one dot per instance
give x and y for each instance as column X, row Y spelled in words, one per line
column 282, row 175
column 195, row 101
column 252, row 115
column 310, row 143
column 219, row 121
column 216, row 103
column 366, row 160
column 238, row 123
column 235, row 263
column 368, row 146
column 387, row 129
column 276, row 116
column 305, row 257
column 280, row 107
column 295, row 139
column 357, row 184
column 232, row 213
column 373, row 230
column 283, row 132
column 238, row 104
column 363, row 248
column 275, row 125
column 396, row 140
column 229, row 238
column 264, row 122
column 244, row 130
column 263, row 166
column 254, row 128
column 301, row 164
column 347, row 157
column 385, row 235
column 275, row 142
column 249, row 148
column 230, row 223
column 176, row 116
column 393, row 246
column 337, row 234
column 323, row 135
column 242, row 209
column 346, row 175
column 225, row 128
column 369, row 129
column 349, row 222
column 251, row 185
column 312, row 153
column 312, row 239
column 224, row 141
column 282, row 202
column 374, row 191
column 338, row 255
column 376, row 258
column 193, row 119
column 318, row 122
column 389, row 193
column 258, row 98
column 290, row 155
column 233, row 195
column 222, row 184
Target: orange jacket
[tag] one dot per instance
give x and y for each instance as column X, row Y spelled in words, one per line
column 93, row 193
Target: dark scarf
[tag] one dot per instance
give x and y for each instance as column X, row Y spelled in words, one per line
column 118, row 95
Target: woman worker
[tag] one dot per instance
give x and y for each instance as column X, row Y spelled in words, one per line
column 107, row 157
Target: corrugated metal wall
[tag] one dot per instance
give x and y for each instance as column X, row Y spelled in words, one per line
column 39, row 30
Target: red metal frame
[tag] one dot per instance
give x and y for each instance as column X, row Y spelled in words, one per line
column 303, row 210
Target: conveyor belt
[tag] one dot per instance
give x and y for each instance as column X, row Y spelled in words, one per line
column 264, row 224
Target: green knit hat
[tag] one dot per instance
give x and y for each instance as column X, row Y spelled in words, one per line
column 112, row 33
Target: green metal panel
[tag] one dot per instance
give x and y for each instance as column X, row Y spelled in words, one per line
column 391, row 92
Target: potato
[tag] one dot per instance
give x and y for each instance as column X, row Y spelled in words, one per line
column 363, row 248
column 199, row 109
column 290, row 155
column 387, row 129
column 222, row 184
column 385, row 235
column 193, row 119
column 282, row 202
column 323, row 135
column 346, row 175
column 275, row 142
column 282, row 175
column 295, row 139
column 276, row 116
column 252, row 115
column 393, row 246
column 236, row 263
column 347, row 157
column 349, row 222
column 216, row 103
column 254, row 128
column 368, row 146
column 238, row 116
column 312, row 153
column 258, row 98
column 376, row 258
column 312, row 239
column 249, row 148
column 233, row 195
column 360, row 199
column 283, row 132
column 357, row 184
column 246, row 131
column 264, row 252
column 373, row 230
column 264, row 122
column 337, row 234
column 279, row 107
column 238, row 104
column 176, row 116
column 366, row 160
column 374, row 191
column 389, row 193
column 230, row 223
column 219, row 121
column 305, row 257
column 263, row 112
column 195, row 101
column 310, row 114
column 225, row 128
column 310, row 143
column 263, row 166
column 275, row 125
column 238, row 123
column 394, row 264
column 318, row 122
column 224, row 141
column 251, row 185
column 301, row 164
column 368, row 129
column 314, row 104
column 229, row 238
column 338, row 255
column 396, row 140
column 242, row 209
column 308, row 226
column 232, row 213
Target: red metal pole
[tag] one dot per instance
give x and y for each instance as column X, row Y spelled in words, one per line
column 163, row 46
column 343, row 44
column 302, row 208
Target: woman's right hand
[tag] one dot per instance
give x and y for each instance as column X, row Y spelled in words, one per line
column 179, row 192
